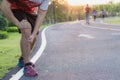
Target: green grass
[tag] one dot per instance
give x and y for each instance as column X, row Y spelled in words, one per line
column 115, row 20
column 10, row 52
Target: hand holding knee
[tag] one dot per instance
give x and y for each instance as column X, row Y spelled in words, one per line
column 31, row 38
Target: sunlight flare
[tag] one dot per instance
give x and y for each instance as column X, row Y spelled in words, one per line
column 91, row 2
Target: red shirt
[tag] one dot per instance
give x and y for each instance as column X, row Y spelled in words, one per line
column 87, row 9
column 28, row 10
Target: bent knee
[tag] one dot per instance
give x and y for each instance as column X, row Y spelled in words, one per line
column 25, row 33
column 25, row 24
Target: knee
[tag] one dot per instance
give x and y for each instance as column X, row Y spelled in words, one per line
column 26, row 29
column 25, row 33
column 25, row 24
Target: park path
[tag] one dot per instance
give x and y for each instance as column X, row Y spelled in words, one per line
column 76, row 51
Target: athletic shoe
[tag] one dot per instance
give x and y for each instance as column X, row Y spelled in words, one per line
column 30, row 71
column 20, row 62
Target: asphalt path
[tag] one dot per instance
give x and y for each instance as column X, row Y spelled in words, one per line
column 77, row 51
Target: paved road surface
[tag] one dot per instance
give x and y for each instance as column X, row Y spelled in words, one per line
column 76, row 51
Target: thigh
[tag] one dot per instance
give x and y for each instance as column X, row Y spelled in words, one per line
column 21, row 15
column 32, row 20
column 87, row 16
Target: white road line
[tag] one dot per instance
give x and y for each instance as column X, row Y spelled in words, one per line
column 20, row 73
column 43, row 45
column 100, row 27
column 86, row 36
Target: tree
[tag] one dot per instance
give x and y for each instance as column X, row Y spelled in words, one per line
column 3, row 23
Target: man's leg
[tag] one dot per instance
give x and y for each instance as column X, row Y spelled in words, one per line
column 26, row 50
column 33, row 44
column 25, row 44
column 87, row 18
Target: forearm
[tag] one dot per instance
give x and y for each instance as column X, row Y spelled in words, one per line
column 5, row 7
column 39, row 21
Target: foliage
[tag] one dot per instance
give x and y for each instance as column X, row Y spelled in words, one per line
column 1, row 1
column 12, row 29
column 3, row 34
column 10, row 24
column 3, row 23
column 61, row 11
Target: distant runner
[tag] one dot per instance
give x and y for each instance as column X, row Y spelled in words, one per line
column 28, row 16
column 87, row 12
column 103, row 14
column 94, row 14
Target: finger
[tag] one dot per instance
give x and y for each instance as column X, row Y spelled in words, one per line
column 30, row 40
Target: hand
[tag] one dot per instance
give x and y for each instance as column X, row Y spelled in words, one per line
column 31, row 38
